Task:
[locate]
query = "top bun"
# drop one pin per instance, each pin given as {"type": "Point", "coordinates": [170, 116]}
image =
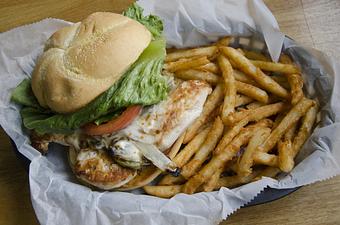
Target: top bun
{"type": "Point", "coordinates": [83, 60]}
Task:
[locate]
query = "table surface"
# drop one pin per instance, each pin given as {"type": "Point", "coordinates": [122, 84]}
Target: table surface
{"type": "Point", "coordinates": [310, 22]}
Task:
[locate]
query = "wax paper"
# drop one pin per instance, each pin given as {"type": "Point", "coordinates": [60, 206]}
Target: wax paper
{"type": "Point", "coordinates": [56, 195]}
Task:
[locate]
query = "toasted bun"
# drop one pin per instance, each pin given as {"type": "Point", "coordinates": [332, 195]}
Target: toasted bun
{"type": "Point", "coordinates": [83, 60]}
{"type": "Point", "coordinates": [95, 168]}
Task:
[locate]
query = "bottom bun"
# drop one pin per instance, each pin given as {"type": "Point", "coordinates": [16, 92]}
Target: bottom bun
{"type": "Point", "coordinates": [96, 168]}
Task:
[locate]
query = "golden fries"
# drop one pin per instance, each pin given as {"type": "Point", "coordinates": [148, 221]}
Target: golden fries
{"type": "Point", "coordinates": [191, 148]}
{"type": "Point", "coordinates": [265, 159]}
{"type": "Point", "coordinates": [249, 69]}
{"type": "Point", "coordinates": [229, 86]}
{"type": "Point", "coordinates": [185, 64]}
{"type": "Point", "coordinates": [219, 159]}
{"type": "Point", "coordinates": [234, 181]}
{"type": "Point", "coordinates": [268, 172]}
{"type": "Point", "coordinates": [210, 67]}
{"type": "Point", "coordinates": [253, 115]}
{"type": "Point", "coordinates": [211, 184]}
{"type": "Point", "coordinates": [247, 159]}
{"type": "Point", "coordinates": [171, 180]}
{"type": "Point", "coordinates": [208, 146]}
{"type": "Point", "coordinates": [191, 53]}
{"type": "Point", "coordinates": [223, 41]}
{"type": "Point", "coordinates": [242, 100]}
{"type": "Point", "coordinates": [255, 55]}
{"type": "Point", "coordinates": [163, 191]}
{"type": "Point", "coordinates": [275, 67]}
{"type": "Point", "coordinates": [234, 133]}
{"type": "Point", "coordinates": [239, 76]}
{"type": "Point", "coordinates": [286, 161]}
{"type": "Point", "coordinates": [212, 102]}
{"type": "Point", "coordinates": [192, 74]}
{"type": "Point", "coordinates": [252, 91]}
{"type": "Point", "coordinates": [292, 116]}
{"type": "Point", "coordinates": [296, 83]}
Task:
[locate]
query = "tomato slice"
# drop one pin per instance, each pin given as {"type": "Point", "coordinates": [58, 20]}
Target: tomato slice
{"type": "Point", "coordinates": [115, 124]}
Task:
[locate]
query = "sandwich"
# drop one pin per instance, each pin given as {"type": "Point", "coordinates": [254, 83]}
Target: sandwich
{"type": "Point", "coordinates": [98, 88]}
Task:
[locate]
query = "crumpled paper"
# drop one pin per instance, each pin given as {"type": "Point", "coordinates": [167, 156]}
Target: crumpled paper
{"type": "Point", "coordinates": [58, 198]}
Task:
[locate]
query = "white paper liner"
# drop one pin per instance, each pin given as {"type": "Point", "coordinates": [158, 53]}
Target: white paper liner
{"type": "Point", "coordinates": [59, 199]}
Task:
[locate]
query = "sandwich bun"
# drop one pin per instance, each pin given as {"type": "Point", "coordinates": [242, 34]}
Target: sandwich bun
{"type": "Point", "coordinates": [83, 60]}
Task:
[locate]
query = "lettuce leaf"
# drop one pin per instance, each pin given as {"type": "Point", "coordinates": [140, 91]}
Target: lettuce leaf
{"type": "Point", "coordinates": [153, 23]}
{"type": "Point", "coordinates": [142, 84]}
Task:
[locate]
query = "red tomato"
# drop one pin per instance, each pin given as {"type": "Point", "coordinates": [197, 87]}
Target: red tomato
{"type": "Point", "coordinates": [115, 124]}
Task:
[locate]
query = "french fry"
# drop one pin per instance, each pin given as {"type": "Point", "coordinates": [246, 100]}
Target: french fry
{"type": "Point", "coordinates": [211, 184]}
{"type": "Point", "coordinates": [285, 59]}
{"type": "Point", "coordinates": [292, 117]}
{"type": "Point", "coordinates": [239, 76]}
{"type": "Point", "coordinates": [210, 67]}
{"type": "Point", "coordinates": [242, 100]}
{"type": "Point", "coordinates": [185, 64]}
{"type": "Point", "coordinates": [240, 51]}
{"type": "Point", "coordinates": [212, 102]}
{"type": "Point", "coordinates": [279, 118]}
{"type": "Point", "coordinates": [286, 162]}
{"type": "Point", "coordinates": [190, 53]}
{"type": "Point", "coordinates": [287, 149]}
{"type": "Point", "coordinates": [193, 74]}
{"type": "Point", "coordinates": [268, 172]}
{"type": "Point", "coordinates": [246, 162]}
{"type": "Point", "coordinates": [275, 67]}
{"type": "Point", "coordinates": [225, 41]}
{"type": "Point", "coordinates": [255, 55]}
{"type": "Point", "coordinates": [252, 91]}
{"type": "Point", "coordinates": [249, 69]}
{"type": "Point", "coordinates": [253, 115]}
{"type": "Point", "coordinates": [289, 135]}
{"type": "Point", "coordinates": [234, 181]}
{"type": "Point", "coordinates": [218, 160]}
{"type": "Point", "coordinates": [306, 128]}
{"type": "Point", "coordinates": [263, 158]}
{"type": "Point", "coordinates": [190, 149]}
{"type": "Point", "coordinates": [282, 80]}
{"type": "Point", "coordinates": [163, 191]}
{"type": "Point", "coordinates": [171, 180]}
{"type": "Point", "coordinates": [254, 105]}
{"type": "Point", "coordinates": [206, 148]}
{"type": "Point", "coordinates": [296, 83]}
{"type": "Point", "coordinates": [229, 86]}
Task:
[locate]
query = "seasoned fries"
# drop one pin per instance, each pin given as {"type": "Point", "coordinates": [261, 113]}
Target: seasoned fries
{"type": "Point", "coordinates": [252, 91]}
{"type": "Point", "coordinates": [296, 83]}
{"type": "Point", "coordinates": [210, 67]}
{"type": "Point", "coordinates": [249, 69]}
{"type": "Point", "coordinates": [235, 141]}
{"type": "Point", "coordinates": [163, 191]}
{"type": "Point", "coordinates": [208, 146]}
{"type": "Point", "coordinates": [229, 86]}
{"type": "Point", "coordinates": [255, 55]}
{"type": "Point", "coordinates": [239, 76]}
{"type": "Point", "coordinates": [275, 67]}
{"type": "Point", "coordinates": [192, 74]}
{"type": "Point", "coordinates": [292, 116]}
{"type": "Point", "coordinates": [219, 159]}
{"type": "Point", "coordinates": [185, 64]}
{"type": "Point", "coordinates": [247, 160]}
{"type": "Point", "coordinates": [191, 53]}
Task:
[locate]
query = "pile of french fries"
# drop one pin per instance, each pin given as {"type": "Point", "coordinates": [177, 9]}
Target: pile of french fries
{"type": "Point", "coordinates": [253, 123]}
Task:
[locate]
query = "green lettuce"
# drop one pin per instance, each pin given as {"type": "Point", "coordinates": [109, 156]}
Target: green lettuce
{"type": "Point", "coordinates": [152, 22]}
{"type": "Point", "coordinates": [142, 84]}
